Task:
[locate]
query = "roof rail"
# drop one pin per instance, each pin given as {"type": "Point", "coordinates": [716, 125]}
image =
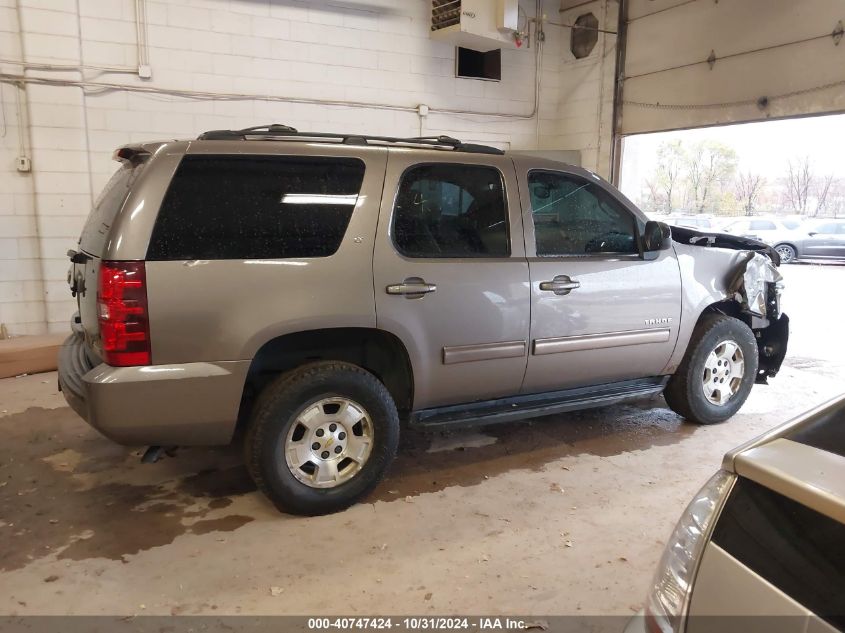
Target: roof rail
{"type": "Point", "coordinates": [277, 131]}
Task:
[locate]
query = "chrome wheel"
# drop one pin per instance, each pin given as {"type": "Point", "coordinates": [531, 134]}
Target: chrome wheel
{"type": "Point", "coordinates": [786, 253]}
{"type": "Point", "coordinates": [329, 442]}
{"type": "Point", "coordinates": [723, 372]}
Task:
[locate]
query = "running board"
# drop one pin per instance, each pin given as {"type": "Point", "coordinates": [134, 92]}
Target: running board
{"type": "Point", "coordinates": [538, 404]}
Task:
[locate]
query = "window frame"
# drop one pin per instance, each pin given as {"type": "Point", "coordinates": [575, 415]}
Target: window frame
{"type": "Point", "coordinates": [639, 255]}
{"type": "Point", "coordinates": [507, 216]}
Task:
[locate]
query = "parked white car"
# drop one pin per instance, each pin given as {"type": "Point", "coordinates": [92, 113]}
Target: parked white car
{"type": "Point", "coordinates": [699, 222]}
{"type": "Point", "coordinates": [770, 230]}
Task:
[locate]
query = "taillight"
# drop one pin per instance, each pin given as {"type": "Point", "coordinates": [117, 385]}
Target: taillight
{"type": "Point", "coordinates": [122, 313]}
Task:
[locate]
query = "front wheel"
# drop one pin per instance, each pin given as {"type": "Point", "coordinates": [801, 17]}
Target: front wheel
{"type": "Point", "coordinates": [717, 373]}
{"type": "Point", "coordinates": [321, 437]}
{"type": "Point", "coordinates": [786, 252]}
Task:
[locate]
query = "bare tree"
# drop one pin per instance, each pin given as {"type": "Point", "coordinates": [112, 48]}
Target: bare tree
{"type": "Point", "coordinates": [655, 198]}
{"type": "Point", "coordinates": [798, 178]}
{"type": "Point", "coordinates": [709, 166]}
{"type": "Point", "coordinates": [834, 203]}
{"type": "Point", "coordinates": [821, 191]}
{"type": "Point", "coordinates": [748, 188]}
{"type": "Point", "coordinates": [670, 162]}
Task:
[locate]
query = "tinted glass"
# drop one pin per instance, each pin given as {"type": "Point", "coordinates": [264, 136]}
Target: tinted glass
{"type": "Point", "coordinates": [797, 549]}
{"type": "Point", "coordinates": [573, 216]}
{"type": "Point", "coordinates": [791, 224]}
{"type": "Point", "coordinates": [246, 207]}
{"type": "Point", "coordinates": [448, 210]}
{"type": "Point", "coordinates": [762, 225]}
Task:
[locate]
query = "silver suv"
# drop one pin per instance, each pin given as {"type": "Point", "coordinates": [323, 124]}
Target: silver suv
{"type": "Point", "coordinates": [316, 290]}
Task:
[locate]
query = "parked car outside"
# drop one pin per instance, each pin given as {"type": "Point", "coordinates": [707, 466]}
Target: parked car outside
{"type": "Point", "coordinates": [701, 222]}
{"type": "Point", "coordinates": [765, 229]}
{"type": "Point", "coordinates": [315, 290]}
{"type": "Point", "coordinates": [814, 239]}
{"type": "Point", "coordinates": [760, 547]}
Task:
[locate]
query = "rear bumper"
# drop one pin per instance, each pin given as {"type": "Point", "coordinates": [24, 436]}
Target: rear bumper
{"type": "Point", "coordinates": [184, 404]}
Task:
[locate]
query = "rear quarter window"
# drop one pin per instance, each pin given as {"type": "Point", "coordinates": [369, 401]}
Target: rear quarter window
{"type": "Point", "coordinates": [250, 207]}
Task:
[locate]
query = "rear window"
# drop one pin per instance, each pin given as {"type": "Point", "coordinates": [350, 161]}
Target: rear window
{"type": "Point", "coordinates": [106, 208]}
{"type": "Point", "coordinates": [251, 207]}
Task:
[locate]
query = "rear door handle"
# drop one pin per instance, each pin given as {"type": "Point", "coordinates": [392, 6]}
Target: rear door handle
{"type": "Point", "coordinates": [413, 286]}
{"type": "Point", "coordinates": [560, 285]}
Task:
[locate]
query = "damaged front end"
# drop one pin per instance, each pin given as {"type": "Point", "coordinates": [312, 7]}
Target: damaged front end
{"type": "Point", "coordinates": [756, 286]}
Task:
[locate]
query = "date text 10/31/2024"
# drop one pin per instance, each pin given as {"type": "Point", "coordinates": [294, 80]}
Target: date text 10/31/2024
{"type": "Point", "coordinates": [420, 623]}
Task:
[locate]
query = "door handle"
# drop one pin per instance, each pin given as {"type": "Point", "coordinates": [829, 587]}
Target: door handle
{"type": "Point", "coordinates": [560, 285]}
{"type": "Point", "coordinates": [412, 286]}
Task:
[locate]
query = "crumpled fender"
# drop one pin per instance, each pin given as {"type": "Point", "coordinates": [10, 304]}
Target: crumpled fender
{"type": "Point", "coordinates": [686, 235]}
{"type": "Point", "coordinates": [756, 285]}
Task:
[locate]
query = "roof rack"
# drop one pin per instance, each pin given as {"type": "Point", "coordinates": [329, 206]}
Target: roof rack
{"type": "Point", "coordinates": [277, 131]}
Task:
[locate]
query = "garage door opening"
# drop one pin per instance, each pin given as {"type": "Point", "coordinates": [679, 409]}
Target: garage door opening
{"type": "Point", "coordinates": [790, 170]}
{"type": "Point", "coordinates": [780, 182]}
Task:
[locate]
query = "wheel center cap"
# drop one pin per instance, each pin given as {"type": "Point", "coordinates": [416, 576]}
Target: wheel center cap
{"type": "Point", "coordinates": [329, 441]}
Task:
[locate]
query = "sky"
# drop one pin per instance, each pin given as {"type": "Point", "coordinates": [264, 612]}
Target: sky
{"type": "Point", "coordinates": [762, 147]}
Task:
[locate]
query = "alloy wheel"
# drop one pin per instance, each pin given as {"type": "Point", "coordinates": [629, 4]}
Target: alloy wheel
{"type": "Point", "coordinates": [329, 442]}
{"type": "Point", "coordinates": [723, 372]}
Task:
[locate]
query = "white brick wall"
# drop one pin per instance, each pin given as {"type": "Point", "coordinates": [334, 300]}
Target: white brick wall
{"type": "Point", "coordinates": [378, 51]}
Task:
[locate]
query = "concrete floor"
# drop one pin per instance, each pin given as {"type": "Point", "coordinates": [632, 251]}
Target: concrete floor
{"type": "Point", "coordinates": [562, 515]}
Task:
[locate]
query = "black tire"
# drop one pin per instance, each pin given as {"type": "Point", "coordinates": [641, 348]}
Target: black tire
{"type": "Point", "coordinates": [787, 253]}
{"type": "Point", "coordinates": [685, 393]}
{"type": "Point", "coordinates": [276, 411]}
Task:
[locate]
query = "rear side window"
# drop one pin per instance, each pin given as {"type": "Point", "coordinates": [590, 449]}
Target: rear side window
{"type": "Point", "coordinates": [791, 224]}
{"type": "Point", "coordinates": [448, 210]}
{"type": "Point", "coordinates": [251, 207]}
{"type": "Point", "coordinates": [762, 225]}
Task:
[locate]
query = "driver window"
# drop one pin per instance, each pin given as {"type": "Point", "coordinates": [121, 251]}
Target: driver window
{"type": "Point", "coordinates": [573, 216]}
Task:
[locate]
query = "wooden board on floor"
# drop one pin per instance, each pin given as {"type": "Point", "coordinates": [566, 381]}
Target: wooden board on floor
{"type": "Point", "coordinates": [29, 354]}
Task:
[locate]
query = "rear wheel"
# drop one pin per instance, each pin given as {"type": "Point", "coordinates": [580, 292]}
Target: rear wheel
{"type": "Point", "coordinates": [717, 373]}
{"type": "Point", "coordinates": [787, 253]}
{"type": "Point", "coordinates": [321, 437]}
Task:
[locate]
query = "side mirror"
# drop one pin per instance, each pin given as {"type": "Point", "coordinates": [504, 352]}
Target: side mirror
{"type": "Point", "coordinates": [812, 233]}
{"type": "Point", "coordinates": [657, 236]}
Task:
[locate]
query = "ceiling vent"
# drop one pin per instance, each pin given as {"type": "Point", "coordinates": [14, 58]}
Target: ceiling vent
{"type": "Point", "coordinates": [482, 25]}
